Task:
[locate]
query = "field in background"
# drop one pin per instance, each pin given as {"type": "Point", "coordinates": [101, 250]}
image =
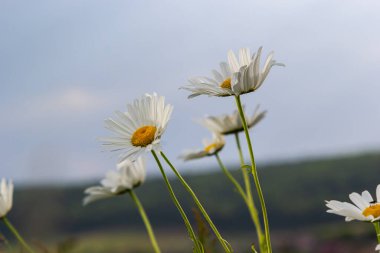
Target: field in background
{"type": "Point", "coordinates": [295, 194]}
{"type": "Point", "coordinates": [327, 238]}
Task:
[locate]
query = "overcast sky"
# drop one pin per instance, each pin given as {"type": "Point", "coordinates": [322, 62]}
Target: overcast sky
{"type": "Point", "coordinates": [65, 66]}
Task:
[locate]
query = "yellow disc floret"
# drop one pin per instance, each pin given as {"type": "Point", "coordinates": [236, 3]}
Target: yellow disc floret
{"type": "Point", "coordinates": [226, 84]}
{"type": "Point", "coordinates": [211, 147]}
{"type": "Point", "coordinates": [373, 210]}
{"type": "Point", "coordinates": [143, 136]}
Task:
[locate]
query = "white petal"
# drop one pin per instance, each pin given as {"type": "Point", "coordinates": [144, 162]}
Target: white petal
{"type": "Point", "coordinates": [244, 56]}
{"type": "Point", "coordinates": [358, 200]}
{"type": "Point", "coordinates": [367, 196]}
{"type": "Point", "coordinates": [233, 62]}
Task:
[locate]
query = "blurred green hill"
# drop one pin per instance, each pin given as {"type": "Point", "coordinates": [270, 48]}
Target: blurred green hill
{"type": "Point", "coordinates": [294, 191]}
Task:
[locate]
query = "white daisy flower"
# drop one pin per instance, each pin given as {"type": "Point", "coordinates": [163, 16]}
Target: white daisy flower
{"type": "Point", "coordinates": [219, 85]}
{"type": "Point", "coordinates": [247, 75]}
{"type": "Point", "coordinates": [211, 147]}
{"type": "Point", "coordinates": [365, 208]}
{"type": "Point", "coordinates": [230, 123]}
{"type": "Point", "coordinates": [378, 247]}
{"type": "Point", "coordinates": [236, 78]}
{"type": "Point", "coordinates": [129, 175]}
{"type": "Point", "coordinates": [6, 197]}
{"type": "Point", "coordinates": [140, 128]}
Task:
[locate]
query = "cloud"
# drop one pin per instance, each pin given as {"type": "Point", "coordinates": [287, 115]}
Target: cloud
{"type": "Point", "coordinates": [65, 105]}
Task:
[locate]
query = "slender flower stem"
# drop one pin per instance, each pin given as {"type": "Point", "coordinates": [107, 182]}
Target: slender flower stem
{"type": "Point", "coordinates": [249, 200]}
{"type": "Point", "coordinates": [146, 221]}
{"type": "Point", "coordinates": [377, 228]}
{"type": "Point", "coordinates": [222, 241]}
{"type": "Point", "coordinates": [247, 182]}
{"type": "Point", "coordinates": [17, 235]}
{"type": "Point", "coordinates": [254, 174]}
{"type": "Point", "coordinates": [231, 178]}
{"type": "Point", "coordinates": [189, 228]}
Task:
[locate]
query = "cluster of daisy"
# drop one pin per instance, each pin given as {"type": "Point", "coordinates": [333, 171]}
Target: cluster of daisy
{"type": "Point", "coordinates": [138, 130]}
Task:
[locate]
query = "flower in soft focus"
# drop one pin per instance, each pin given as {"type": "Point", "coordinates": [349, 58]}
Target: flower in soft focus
{"type": "Point", "coordinates": [230, 123]}
{"type": "Point", "coordinates": [378, 247]}
{"type": "Point", "coordinates": [247, 75]}
{"type": "Point", "coordinates": [211, 147]}
{"type": "Point", "coordinates": [6, 197]}
{"type": "Point", "coordinates": [365, 208]}
{"type": "Point", "coordinates": [129, 175]}
{"type": "Point", "coordinates": [140, 128]}
{"type": "Point", "coordinates": [219, 85]}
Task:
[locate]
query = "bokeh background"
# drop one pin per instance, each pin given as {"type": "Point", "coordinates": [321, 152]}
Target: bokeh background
{"type": "Point", "coordinates": [65, 66]}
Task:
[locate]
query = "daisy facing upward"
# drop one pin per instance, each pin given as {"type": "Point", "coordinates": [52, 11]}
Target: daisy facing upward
{"type": "Point", "coordinates": [140, 128]}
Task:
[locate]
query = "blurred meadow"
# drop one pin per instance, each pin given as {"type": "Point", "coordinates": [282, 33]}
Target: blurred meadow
{"type": "Point", "coordinates": [65, 66]}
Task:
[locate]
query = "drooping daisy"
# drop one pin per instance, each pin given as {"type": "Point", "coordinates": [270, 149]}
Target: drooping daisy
{"type": "Point", "coordinates": [129, 175]}
{"type": "Point", "coordinates": [365, 208]}
{"type": "Point", "coordinates": [140, 128]}
{"type": "Point", "coordinates": [247, 75]}
{"type": "Point", "coordinates": [6, 197]}
{"type": "Point", "coordinates": [211, 147]}
{"type": "Point", "coordinates": [219, 85]}
{"type": "Point", "coordinates": [230, 123]}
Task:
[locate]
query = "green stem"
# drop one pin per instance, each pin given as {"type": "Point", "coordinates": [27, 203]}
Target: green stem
{"type": "Point", "coordinates": [249, 201]}
{"type": "Point", "coordinates": [377, 228]}
{"type": "Point", "coordinates": [244, 171]}
{"type": "Point", "coordinates": [231, 178]}
{"type": "Point", "coordinates": [189, 228]}
{"type": "Point", "coordinates": [254, 174]}
{"type": "Point", "coordinates": [17, 235]}
{"type": "Point", "coordinates": [146, 221]}
{"type": "Point", "coordinates": [198, 203]}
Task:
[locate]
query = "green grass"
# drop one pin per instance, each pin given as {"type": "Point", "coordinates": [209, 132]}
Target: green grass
{"type": "Point", "coordinates": [295, 194]}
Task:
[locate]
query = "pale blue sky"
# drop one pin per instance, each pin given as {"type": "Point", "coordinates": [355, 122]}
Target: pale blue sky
{"type": "Point", "coordinates": [67, 65]}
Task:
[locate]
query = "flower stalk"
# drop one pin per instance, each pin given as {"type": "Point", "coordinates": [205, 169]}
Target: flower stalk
{"type": "Point", "coordinates": [146, 221]}
{"type": "Point", "coordinates": [231, 178]}
{"type": "Point", "coordinates": [17, 234]}
{"type": "Point", "coordinates": [249, 198]}
{"type": "Point", "coordinates": [377, 228]}
{"type": "Point", "coordinates": [197, 244]}
{"type": "Point", "coordinates": [255, 174]}
{"type": "Point", "coordinates": [227, 248]}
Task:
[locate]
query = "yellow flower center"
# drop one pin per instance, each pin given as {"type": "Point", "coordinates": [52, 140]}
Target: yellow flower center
{"type": "Point", "coordinates": [143, 136]}
{"type": "Point", "coordinates": [211, 147]}
{"type": "Point", "coordinates": [226, 84]}
{"type": "Point", "coordinates": [373, 210]}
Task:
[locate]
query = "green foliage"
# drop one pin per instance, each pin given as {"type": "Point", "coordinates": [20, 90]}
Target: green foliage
{"type": "Point", "coordinates": [294, 192]}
